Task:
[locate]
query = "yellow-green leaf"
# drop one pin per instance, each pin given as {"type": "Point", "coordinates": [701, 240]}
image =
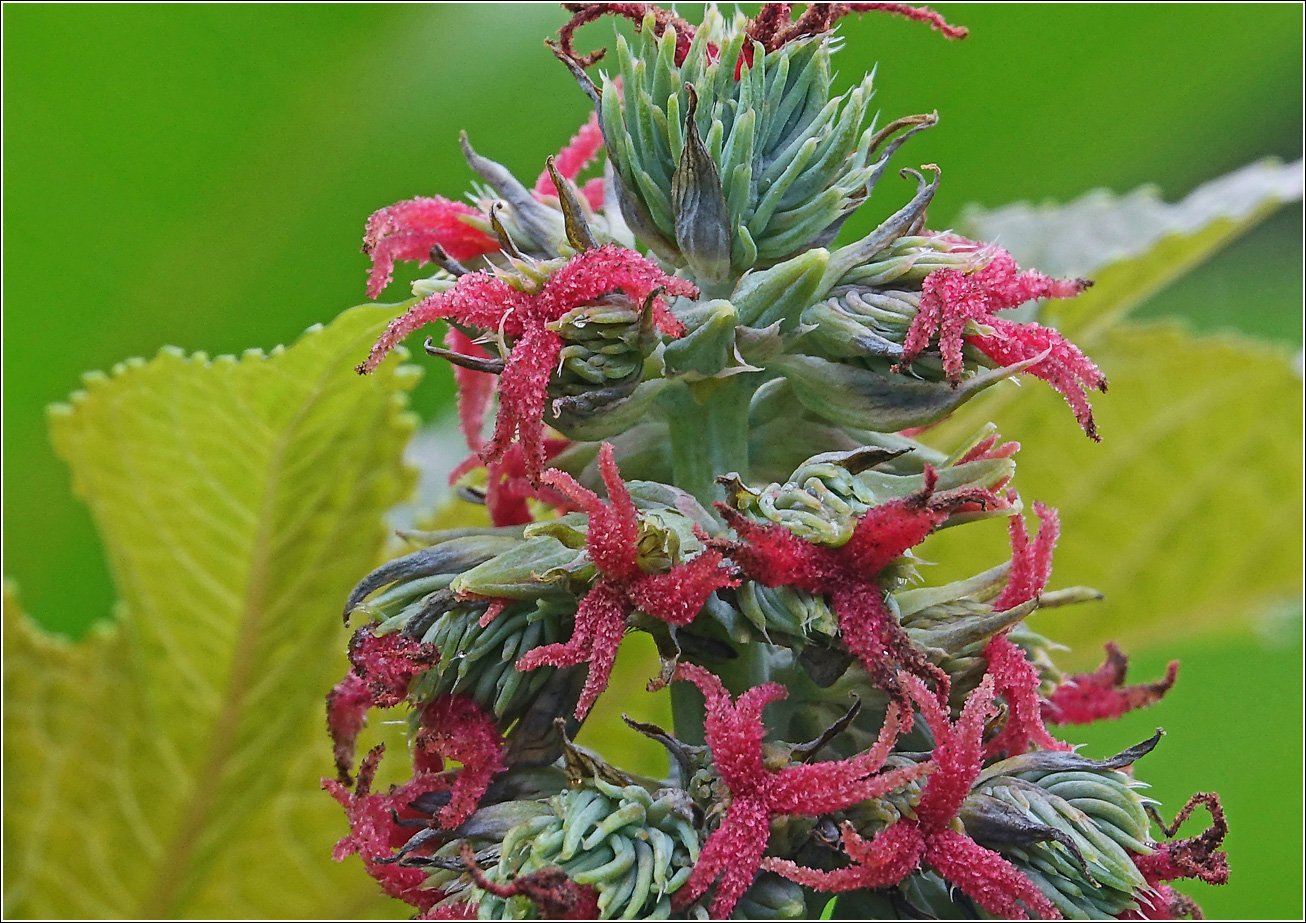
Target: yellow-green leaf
{"type": "Point", "coordinates": [1187, 515]}
{"type": "Point", "coordinates": [1132, 245]}
{"type": "Point", "coordinates": [168, 765]}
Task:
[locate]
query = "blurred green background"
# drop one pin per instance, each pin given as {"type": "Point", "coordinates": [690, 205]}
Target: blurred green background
{"type": "Point", "coordinates": [199, 176]}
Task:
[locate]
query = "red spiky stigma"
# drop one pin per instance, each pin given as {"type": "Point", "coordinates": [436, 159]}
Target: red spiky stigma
{"type": "Point", "coordinates": [675, 597]}
{"type": "Point", "coordinates": [950, 299]}
{"type": "Point", "coordinates": [931, 839]}
{"type": "Point", "coordinates": [377, 828]}
{"type": "Point", "coordinates": [453, 727]}
{"type": "Point", "coordinates": [382, 669]}
{"type": "Point", "coordinates": [409, 230]}
{"type": "Point", "coordinates": [508, 490]}
{"type": "Point", "coordinates": [1100, 695]}
{"type": "Point", "coordinates": [774, 25]}
{"type": "Point", "coordinates": [848, 574]}
{"type": "Point", "coordinates": [1014, 677]}
{"type": "Point", "coordinates": [734, 732]}
{"type": "Point", "coordinates": [494, 304]}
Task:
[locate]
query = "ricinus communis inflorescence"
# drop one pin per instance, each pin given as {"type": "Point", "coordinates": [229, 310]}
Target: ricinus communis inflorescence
{"type": "Point", "coordinates": [703, 419]}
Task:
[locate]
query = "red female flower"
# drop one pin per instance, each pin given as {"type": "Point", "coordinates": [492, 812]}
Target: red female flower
{"type": "Point", "coordinates": [734, 733]}
{"type": "Point", "coordinates": [493, 303]}
{"type": "Point", "coordinates": [1089, 697]}
{"type": "Point", "coordinates": [950, 298]}
{"type": "Point", "coordinates": [1015, 678]}
{"type": "Point", "coordinates": [375, 829]}
{"type": "Point", "coordinates": [774, 556]}
{"type": "Point", "coordinates": [611, 540]}
{"type": "Point", "coordinates": [409, 230]}
{"type": "Point", "coordinates": [454, 727]}
{"type": "Point", "coordinates": [507, 488]}
{"type": "Point", "coordinates": [383, 667]}
{"type": "Point", "coordinates": [894, 853]}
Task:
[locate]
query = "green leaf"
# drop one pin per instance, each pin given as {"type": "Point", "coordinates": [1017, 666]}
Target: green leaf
{"type": "Point", "coordinates": [1187, 516]}
{"type": "Point", "coordinates": [1131, 245]}
{"type": "Point", "coordinates": [168, 766]}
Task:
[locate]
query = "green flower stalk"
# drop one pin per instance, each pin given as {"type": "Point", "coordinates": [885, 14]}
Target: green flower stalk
{"type": "Point", "coordinates": [705, 420]}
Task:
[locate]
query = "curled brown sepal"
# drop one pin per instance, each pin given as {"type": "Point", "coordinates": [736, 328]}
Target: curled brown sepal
{"type": "Point", "coordinates": [773, 26]}
{"type": "Point", "coordinates": [1101, 695]}
{"type": "Point", "coordinates": [1197, 856]}
{"type": "Point", "coordinates": [584, 13]}
{"type": "Point", "coordinates": [555, 894]}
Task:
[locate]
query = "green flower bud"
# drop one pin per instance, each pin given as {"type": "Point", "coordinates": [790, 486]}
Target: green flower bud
{"type": "Point", "coordinates": [828, 493]}
{"type": "Point", "coordinates": [605, 344]}
{"type": "Point", "coordinates": [635, 848]}
{"type": "Point", "coordinates": [867, 398]}
{"type": "Point", "coordinates": [771, 898]}
{"type": "Point", "coordinates": [481, 662]}
{"type": "Point", "coordinates": [764, 167]}
{"type": "Point", "coordinates": [1070, 824]}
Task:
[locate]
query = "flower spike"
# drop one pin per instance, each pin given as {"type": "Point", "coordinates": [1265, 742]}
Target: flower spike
{"type": "Point", "coordinates": [611, 542]}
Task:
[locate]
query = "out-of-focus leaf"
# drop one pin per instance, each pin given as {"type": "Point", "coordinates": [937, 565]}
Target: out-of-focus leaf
{"type": "Point", "coordinates": [1187, 515]}
{"type": "Point", "coordinates": [1131, 245]}
{"type": "Point", "coordinates": [168, 766]}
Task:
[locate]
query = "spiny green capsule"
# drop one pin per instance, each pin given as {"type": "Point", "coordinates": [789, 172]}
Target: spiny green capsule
{"type": "Point", "coordinates": [635, 847]}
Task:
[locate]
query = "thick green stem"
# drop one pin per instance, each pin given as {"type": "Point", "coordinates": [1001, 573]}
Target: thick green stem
{"type": "Point", "coordinates": [709, 433]}
{"type": "Point", "coordinates": [709, 438]}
